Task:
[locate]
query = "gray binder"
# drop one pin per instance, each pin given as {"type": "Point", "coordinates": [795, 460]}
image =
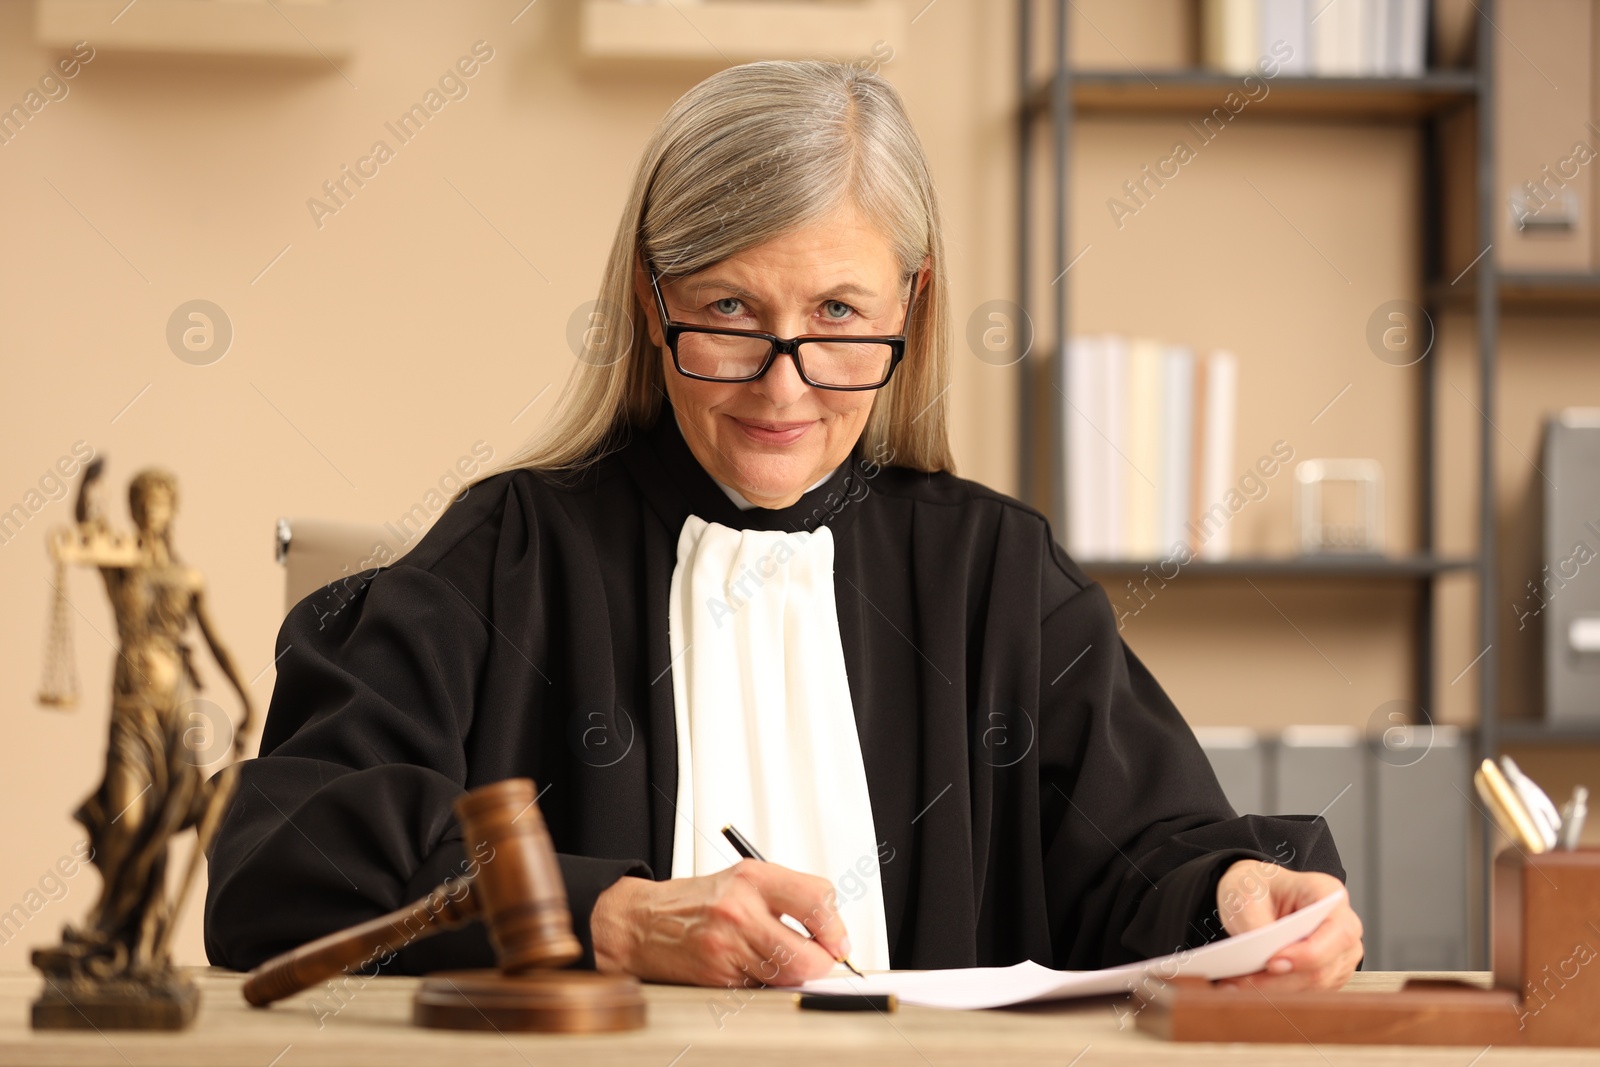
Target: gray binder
{"type": "Point", "coordinates": [1563, 599]}
{"type": "Point", "coordinates": [1238, 758]}
{"type": "Point", "coordinates": [1422, 819]}
{"type": "Point", "coordinates": [1321, 770]}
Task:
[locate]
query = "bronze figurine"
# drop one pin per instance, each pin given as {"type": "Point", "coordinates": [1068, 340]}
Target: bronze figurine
{"type": "Point", "coordinates": [115, 969]}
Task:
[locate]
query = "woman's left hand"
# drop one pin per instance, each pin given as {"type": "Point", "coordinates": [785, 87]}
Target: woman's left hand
{"type": "Point", "coordinates": [1252, 894]}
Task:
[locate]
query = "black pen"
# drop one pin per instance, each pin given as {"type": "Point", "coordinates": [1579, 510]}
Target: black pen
{"type": "Point", "coordinates": [750, 852]}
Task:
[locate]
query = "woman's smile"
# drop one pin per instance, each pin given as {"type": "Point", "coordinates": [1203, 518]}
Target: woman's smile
{"type": "Point", "coordinates": [770, 432]}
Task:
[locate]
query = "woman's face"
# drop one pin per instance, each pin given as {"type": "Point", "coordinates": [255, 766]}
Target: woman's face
{"type": "Point", "coordinates": [772, 438]}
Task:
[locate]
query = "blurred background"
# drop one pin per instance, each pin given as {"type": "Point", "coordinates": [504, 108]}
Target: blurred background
{"type": "Point", "coordinates": [1284, 311]}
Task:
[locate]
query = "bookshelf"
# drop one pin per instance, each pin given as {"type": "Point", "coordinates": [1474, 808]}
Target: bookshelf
{"type": "Point", "coordinates": [1053, 99]}
{"type": "Point", "coordinates": [1534, 731]}
{"type": "Point", "coordinates": [1158, 92]}
{"type": "Point", "coordinates": [1530, 292]}
{"type": "Point", "coordinates": [1403, 568]}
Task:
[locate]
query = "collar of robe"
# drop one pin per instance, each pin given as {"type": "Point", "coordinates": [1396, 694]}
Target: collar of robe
{"type": "Point", "coordinates": [676, 486]}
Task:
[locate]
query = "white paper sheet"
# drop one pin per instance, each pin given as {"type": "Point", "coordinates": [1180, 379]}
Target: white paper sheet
{"type": "Point", "coordinates": [995, 987]}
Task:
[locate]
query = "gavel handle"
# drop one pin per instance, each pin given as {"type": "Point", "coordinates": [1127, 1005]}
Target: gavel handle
{"type": "Point", "coordinates": [319, 960]}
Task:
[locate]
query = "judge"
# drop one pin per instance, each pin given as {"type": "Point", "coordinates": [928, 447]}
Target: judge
{"type": "Point", "coordinates": [736, 581]}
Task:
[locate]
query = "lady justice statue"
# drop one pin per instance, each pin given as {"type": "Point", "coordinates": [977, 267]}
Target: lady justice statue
{"type": "Point", "coordinates": [114, 970]}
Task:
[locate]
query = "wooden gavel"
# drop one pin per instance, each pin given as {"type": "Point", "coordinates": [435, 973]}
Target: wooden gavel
{"type": "Point", "coordinates": [516, 889]}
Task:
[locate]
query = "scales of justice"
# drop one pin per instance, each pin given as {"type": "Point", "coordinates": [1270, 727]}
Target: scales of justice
{"type": "Point", "coordinates": [114, 969]}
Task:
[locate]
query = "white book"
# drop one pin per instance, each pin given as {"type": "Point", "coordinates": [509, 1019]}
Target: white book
{"type": "Point", "coordinates": [1100, 456]}
{"type": "Point", "coordinates": [1177, 430]}
{"type": "Point", "coordinates": [1082, 504]}
{"type": "Point", "coordinates": [1229, 33]}
{"type": "Point", "coordinates": [1411, 38]}
{"type": "Point", "coordinates": [1114, 445]}
{"type": "Point", "coordinates": [1289, 22]}
{"type": "Point", "coordinates": [1222, 385]}
{"type": "Point", "coordinates": [1336, 38]}
{"type": "Point", "coordinates": [1394, 15]}
{"type": "Point", "coordinates": [1377, 40]}
{"type": "Point", "coordinates": [1143, 471]}
{"type": "Point", "coordinates": [1324, 41]}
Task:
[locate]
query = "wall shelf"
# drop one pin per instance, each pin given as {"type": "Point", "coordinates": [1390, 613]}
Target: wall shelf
{"type": "Point", "coordinates": [1400, 568]}
{"type": "Point", "coordinates": [307, 30]}
{"type": "Point", "coordinates": [733, 31]}
{"type": "Point", "coordinates": [1539, 732]}
{"type": "Point", "coordinates": [1528, 292]}
{"type": "Point", "coordinates": [1198, 91]}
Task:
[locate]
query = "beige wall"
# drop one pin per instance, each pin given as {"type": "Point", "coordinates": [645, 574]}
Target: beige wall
{"type": "Point", "coordinates": [380, 348]}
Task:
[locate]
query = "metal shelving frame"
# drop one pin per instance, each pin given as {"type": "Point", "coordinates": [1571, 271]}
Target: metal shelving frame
{"type": "Point", "coordinates": [1052, 103]}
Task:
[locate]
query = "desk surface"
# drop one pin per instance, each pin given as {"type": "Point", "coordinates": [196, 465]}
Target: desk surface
{"type": "Point", "coordinates": [687, 1027]}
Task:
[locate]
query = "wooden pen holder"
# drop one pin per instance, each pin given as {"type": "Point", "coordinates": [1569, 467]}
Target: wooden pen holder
{"type": "Point", "coordinates": [1546, 946]}
{"type": "Point", "coordinates": [1546, 962]}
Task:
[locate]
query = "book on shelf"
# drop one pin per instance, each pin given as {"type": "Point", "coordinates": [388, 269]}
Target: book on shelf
{"type": "Point", "coordinates": [1331, 38]}
{"type": "Point", "coordinates": [1149, 436]}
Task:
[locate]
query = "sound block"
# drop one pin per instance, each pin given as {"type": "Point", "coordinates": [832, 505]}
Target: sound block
{"type": "Point", "coordinates": [546, 1002]}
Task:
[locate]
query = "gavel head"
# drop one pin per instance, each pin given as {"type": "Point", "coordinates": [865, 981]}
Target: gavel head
{"type": "Point", "coordinates": [517, 882]}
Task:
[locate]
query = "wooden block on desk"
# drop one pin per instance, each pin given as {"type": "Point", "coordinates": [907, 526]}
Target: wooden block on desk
{"type": "Point", "coordinates": [1421, 1013]}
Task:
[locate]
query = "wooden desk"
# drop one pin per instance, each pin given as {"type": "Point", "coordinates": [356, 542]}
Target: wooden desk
{"type": "Point", "coordinates": [373, 1027]}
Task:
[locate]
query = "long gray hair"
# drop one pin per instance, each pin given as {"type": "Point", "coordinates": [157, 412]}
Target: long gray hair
{"type": "Point", "coordinates": [746, 155]}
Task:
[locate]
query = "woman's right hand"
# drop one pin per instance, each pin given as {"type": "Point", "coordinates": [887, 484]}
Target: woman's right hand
{"type": "Point", "coordinates": [719, 929]}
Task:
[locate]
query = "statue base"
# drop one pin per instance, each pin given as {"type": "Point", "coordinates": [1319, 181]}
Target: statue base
{"type": "Point", "coordinates": [73, 1000]}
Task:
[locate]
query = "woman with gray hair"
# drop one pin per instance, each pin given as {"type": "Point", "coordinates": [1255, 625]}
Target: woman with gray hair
{"type": "Point", "coordinates": [736, 581]}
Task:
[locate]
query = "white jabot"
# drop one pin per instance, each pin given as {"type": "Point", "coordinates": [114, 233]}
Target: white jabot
{"type": "Point", "coordinates": [766, 730]}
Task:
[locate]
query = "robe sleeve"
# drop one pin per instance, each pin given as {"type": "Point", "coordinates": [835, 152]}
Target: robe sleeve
{"type": "Point", "coordinates": [1136, 829]}
{"type": "Point", "coordinates": [347, 813]}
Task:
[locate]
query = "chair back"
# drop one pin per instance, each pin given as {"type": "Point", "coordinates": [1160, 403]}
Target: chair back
{"type": "Point", "coordinates": [315, 552]}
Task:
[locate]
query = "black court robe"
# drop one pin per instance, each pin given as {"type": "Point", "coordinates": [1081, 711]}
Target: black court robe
{"type": "Point", "coordinates": [1035, 793]}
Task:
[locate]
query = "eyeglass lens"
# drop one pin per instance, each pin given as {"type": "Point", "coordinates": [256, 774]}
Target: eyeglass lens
{"type": "Point", "coordinates": [713, 355]}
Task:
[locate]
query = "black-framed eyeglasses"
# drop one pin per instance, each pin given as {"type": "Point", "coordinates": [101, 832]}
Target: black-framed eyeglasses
{"type": "Point", "coordinates": [824, 361]}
